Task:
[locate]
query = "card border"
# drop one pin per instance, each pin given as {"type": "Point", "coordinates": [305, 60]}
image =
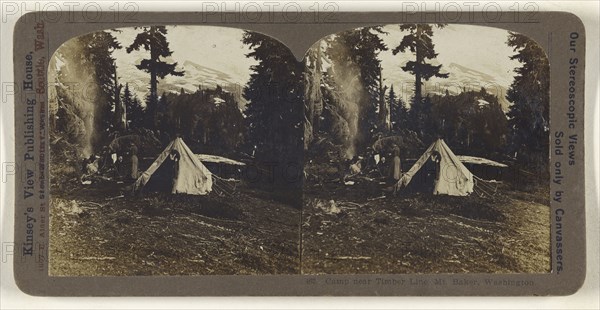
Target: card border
{"type": "Point", "coordinates": [551, 31]}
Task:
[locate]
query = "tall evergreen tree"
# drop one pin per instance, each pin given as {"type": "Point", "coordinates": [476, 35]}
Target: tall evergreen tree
{"type": "Point", "coordinates": [126, 102]}
{"type": "Point", "coordinates": [423, 120]}
{"type": "Point", "coordinates": [154, 40]}
{"type": "Point", "coordinates": [398, 110]}
{"type": "Point", "coordinates": [98, 49]}
{"type": "Point", "coordinates": [418, 41]}
{"type": "Point", "coordinates": [384, 107]}
{"type": "Point", "coordinates": [127, 97]}
{"type": "Point", "coordinates": [313, 97]}
{"type": "Point", "coordinates": [274, 112]}
{"type": "Point", "coordinates": [530, 95]}
{"type": "Point", "coordinates": [120, 114]}
{"type": "Point", "coordinates": [161, 111]}
{"type": "Point", "coordinates": [133, 108]}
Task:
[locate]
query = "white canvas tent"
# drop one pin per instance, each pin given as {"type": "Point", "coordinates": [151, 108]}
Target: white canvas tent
{"type": "Point", "coordinates": [192, 176]}
{"type": "Point", "coordinates": [454, 178]}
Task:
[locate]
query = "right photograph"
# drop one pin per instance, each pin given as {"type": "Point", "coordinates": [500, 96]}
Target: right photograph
{"type": "Point", "coordinates": [426, 150]}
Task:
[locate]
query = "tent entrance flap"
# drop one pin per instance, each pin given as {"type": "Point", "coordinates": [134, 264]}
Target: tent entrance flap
{"type": "Point", "coordinates": [162, 179]}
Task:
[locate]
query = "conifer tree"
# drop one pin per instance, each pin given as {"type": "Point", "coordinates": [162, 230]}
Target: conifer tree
{"type": "Point", "coordinates": [384, 107]}
{"type": "Point", "coordinates": [153, 39]}
{"type": "Point", "coordinates": [419, 42]}
{"type": "Point", "coordinates": [529, 93]}
{"type": "Point", "coordinates": [398, 110]}
{"type": "Point", "coordinates": [127, 97]}
{"type": "Point", "coordinates": [161, 111]}
{"type": "Point", "coordinates": [313, 97]}
{"type": "Point", "coordinates": [129, 104]}
{"type": "Point", "coordinates": [274, 113]}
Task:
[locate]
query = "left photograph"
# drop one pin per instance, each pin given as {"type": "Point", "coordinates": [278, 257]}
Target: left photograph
{"type": "Point", "coordinates": [175, 150]}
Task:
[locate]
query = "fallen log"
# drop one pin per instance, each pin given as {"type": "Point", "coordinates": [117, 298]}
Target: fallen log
{"type": "Point", "coordinates": [376, 198]}
{"type": "Point", "coordinates": [352, 203]}
{"type": "Point", "coordinates": [351, 257]}
{"type": "Point", "coordinates": [94, 258]}
{"type": "Point", "coordinates": [116, 197]}
{"type": "Point", "coordinates": [92, 203]}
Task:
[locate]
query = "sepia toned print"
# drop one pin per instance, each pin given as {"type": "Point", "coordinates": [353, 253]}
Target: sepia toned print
{"type": "Point", "coordinates": [426, 152]}
{"type": "Point", "coordinates": [410, 148]}
{"type": "Point", "coordinates": [173, 155]}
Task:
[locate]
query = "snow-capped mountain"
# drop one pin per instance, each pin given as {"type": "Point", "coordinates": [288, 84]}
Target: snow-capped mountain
{"type": "Point", "coordinates": [460, 78]}
{"type": "Point", "coordinates": [474, 56]}
{"type": "Point", "coordinates": [195, 76]}
{"type": "Point", "coordinates": [464, 77]}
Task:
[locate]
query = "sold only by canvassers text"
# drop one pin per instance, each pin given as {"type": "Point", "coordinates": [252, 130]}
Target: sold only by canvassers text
{"type": "Point", "coordinates": [565, 151]}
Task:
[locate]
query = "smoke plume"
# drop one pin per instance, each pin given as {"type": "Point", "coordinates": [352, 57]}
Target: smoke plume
{"type": "Point", "coordinates": [349, 93]}
{"type": "Point", "coordinates": [76, 98]}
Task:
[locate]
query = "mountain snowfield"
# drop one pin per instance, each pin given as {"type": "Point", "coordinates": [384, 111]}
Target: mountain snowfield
{"type": "Point", "coordinates": [460, 78]}
{"type": "Point", "coordinates": [196, 76]}
{"type": "Point", "coordinates": [474, 56]}
{"type": "Point", "coordinates": [209, 56]}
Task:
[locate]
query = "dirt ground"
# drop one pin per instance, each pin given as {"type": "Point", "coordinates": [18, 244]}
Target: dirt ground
{"type": "Point", "coordinates": [342, 229]}
{"type": "Point", "coordinates": [94, 233]}
{"type": "Point", "coordinates": [356, 230]}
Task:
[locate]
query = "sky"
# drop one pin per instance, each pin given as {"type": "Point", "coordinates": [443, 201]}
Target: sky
{"type": "Point", "coordinates": [471, 54]}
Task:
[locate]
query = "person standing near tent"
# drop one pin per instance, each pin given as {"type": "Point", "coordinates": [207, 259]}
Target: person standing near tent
{"type": "Point", "coordinates": [371, 161]}
{"type": "Point", "coordinates": [396, 164]}
{"type": "Point", "coordinates": [119, 167]}
{"type": "Point", "coordinates": [173, 166]}
{"type": "Point", "coordinates": [436, 158]}
{"type": "Point", "coordinates": [134, 161]}
{"type": "Point", "coordinates": [382, 167]}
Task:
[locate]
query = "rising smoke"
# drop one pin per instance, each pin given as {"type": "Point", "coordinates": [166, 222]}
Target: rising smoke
{"type": "Point", "coordinates": [76, 97]}
{"type": "Point", "coordinates": [349, 93]}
